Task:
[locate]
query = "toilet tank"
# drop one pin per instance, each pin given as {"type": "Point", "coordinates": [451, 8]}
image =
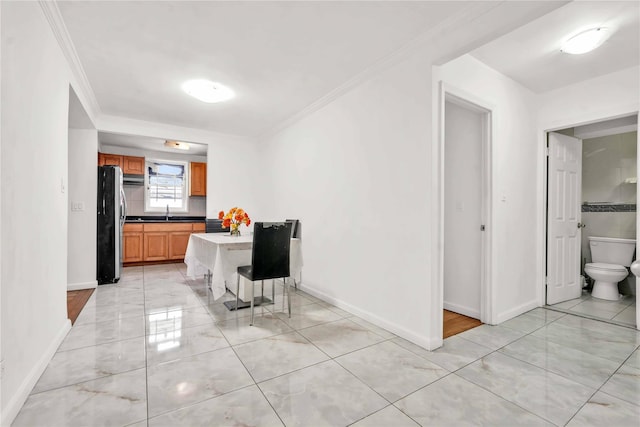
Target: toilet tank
{"type": "Point", "coordinates": [612, 250]}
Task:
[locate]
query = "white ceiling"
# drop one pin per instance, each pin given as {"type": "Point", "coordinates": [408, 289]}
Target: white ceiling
{"type": "Point", "coordinates": [531, 54]}
{"type": "Point", "coordinates": [283, 56]}
{"type": "Point", "coordinates": [279, 57]}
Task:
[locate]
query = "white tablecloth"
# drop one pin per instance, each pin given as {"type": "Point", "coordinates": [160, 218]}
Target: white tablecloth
{"type": "Point", "coordinates": [223, 254]}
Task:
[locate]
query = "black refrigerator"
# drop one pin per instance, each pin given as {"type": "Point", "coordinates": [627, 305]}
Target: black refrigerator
{"type": "Point", "coordinates": [112, 211]}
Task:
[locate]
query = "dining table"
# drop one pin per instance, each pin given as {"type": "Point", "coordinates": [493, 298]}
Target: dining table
{"type": "Point", "coordinates": [217, 256]}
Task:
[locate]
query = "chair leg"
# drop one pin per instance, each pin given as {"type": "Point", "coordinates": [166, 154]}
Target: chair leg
{"type": "Point", "coordinates": [207, 287]}
{"type": "Point", "coordinates": [251, 323]}
{"type": "Point", "coordinates": [237, 293]}
{"type": "Point", "coordinates": [283, 291]}
{"type": "Point", "coordinates": [289, 297]}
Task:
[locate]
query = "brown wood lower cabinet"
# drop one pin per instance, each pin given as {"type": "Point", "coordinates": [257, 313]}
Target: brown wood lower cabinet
{"type": "Point", "coordinates": [132, 243]}
{"type": "Point", "coordinates": [156, 246]}
{"type": "Point", "coordinates": [178, 241]}
{"type": "Point", "coordinates": [154, 242]}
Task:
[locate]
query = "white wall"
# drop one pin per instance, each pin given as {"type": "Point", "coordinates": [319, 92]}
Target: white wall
{"type": "Point", "coordinates": [462, 210]}
{"type": "Point", "coordinates": [1, 139]}
{"type": "Point", "coordinates": [606, 162]}
{"type": "Point", "coordinates": [355, 173]}
{"type": "Point", "coordinates": [609, 96]}
{"type": "Point", "coordinates": [83, 183]}
{"type": "Point", "coordinates": [513, 181]}
{"type": "Point", "coordinates": [34, 214]}
{"type": "Point", "coordinates": [235, 174]}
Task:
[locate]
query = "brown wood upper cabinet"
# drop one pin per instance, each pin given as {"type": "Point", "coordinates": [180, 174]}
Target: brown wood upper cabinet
{"type": "Point", "coordinates": [198, 184]}
{"type": "Point", "coordinates": [129, 164]}
{"type": "Point", "coordinates": [133, 165]}
{"type": "Point", "coordinates": [109, 159]}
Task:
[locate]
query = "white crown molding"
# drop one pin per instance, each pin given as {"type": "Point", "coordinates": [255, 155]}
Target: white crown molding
{"type": "Point", "coordinates": [384, 63]}
{"type": "Point", "coordinates": [53, 15]}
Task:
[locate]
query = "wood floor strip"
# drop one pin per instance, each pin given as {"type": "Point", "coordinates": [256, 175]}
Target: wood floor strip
{"type": "Point", "coordinates": [454, 323]}
{"type": "Point", "coordinates": [76, 301]}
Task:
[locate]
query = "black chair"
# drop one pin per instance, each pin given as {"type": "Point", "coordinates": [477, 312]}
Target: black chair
{"type": "Point", "coordinates": [269, 258]}
{"type": "Point", "coordinates": [297, 228]}
{"type": "Point", "coordinates": [296, 233]}
{"type": "Point", "coordinates": [215, 226]}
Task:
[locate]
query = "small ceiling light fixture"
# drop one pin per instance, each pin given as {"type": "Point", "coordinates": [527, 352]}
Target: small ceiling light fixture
{"type": "Point", "coordinates": [585, 41]}
{"type": "Point", "coordinates": [177, 145]}
{"type": "Point", "coordinates": [208, 91]}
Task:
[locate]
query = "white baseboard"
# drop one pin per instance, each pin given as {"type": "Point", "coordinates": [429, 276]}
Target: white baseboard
{"type": "Point", "coordinates": [22, 393]}
{"type": "Point", "coordinates": [420, 340]}
{"type": "Point", "coordinates": [461, 309]}
{"type": "Point", "coordinates": [83, 285]}
{"type": "Point", "coordinates": [516, 311]}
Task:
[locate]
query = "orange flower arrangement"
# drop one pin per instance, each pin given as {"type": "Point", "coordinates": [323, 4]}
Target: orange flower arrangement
{"type": "Point", "coordinates": [233, 219]}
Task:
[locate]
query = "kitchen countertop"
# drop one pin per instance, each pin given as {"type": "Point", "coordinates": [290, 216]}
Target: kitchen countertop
{"type": "Point", "coordinates": [162, 218]}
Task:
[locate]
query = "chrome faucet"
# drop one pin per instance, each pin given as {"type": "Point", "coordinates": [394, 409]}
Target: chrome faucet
{"type": "Point", "coordinates": [167, 215]}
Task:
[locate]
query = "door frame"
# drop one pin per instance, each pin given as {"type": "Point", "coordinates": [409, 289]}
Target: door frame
{"type": "Point", "coordinates": [462, 98]}
{"type": "Point", "coordinates": [543, 190]}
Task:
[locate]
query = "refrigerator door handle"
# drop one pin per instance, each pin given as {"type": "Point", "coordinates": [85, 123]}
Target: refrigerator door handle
{"type": "Point", "coordinates": [123, 214]}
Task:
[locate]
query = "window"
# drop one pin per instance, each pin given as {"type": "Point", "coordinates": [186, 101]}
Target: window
{"type": "Point", "coordinates": [165, 185]}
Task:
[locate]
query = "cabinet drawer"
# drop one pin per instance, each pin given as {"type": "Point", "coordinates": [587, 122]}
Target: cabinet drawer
{"type": "Point", "coordinates": [183, 226]}
{"type": "Point", "coordinates": [199, 227]}
{"type": "Point", "coordinates": [128, 227]}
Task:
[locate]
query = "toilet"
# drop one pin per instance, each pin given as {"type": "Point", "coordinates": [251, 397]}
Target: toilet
{"type": "Point", "coordinates": [610, 258]}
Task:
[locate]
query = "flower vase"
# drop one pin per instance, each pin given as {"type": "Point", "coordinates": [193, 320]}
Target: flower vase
{"type": "Point", "coordinates": [235, 232]}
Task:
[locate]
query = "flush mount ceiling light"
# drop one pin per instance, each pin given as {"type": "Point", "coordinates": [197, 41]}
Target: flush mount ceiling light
{"type": "Point", "coordinates": [177, 145]}
{"type": "Point", "coordinates": [207, 91]}
{"type": "Point", "coordinates": [585, 41]}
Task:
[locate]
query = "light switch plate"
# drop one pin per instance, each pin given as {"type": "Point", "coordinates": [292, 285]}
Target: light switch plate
{"type": "Point", "coordinates": [77, 206]}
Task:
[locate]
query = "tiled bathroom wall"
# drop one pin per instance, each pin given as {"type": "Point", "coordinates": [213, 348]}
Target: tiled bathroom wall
{"type": "Point", "coordinates": [135, 203]}
{"type": "Point", "coordinates": [607, 163]}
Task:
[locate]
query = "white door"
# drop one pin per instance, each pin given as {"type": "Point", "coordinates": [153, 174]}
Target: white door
{"type": "Point", "coordinates": [564, 214]}
{"type": "Point", "coordinates": [463, 208]}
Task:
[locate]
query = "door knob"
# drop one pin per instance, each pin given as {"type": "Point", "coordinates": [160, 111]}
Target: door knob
{"type": "Point", "coordinates": [635, 268]}
{"type": "Point", "coordinates": [581, 225]}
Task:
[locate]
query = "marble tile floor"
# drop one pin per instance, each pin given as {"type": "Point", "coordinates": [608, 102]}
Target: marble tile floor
{"type": "Point", "coordinates": [156, 350]}
{"type": "Point", "coordinates": [622, 312]}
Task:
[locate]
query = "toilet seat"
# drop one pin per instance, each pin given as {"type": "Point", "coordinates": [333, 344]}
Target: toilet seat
{"type": "Point", "coordinates": [601, 266]}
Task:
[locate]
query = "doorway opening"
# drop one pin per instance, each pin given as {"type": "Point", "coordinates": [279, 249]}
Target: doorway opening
{"type": "Point", "coordinates": [465, 146]}
{"type": "Point", "coordinates": [591, 200]}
